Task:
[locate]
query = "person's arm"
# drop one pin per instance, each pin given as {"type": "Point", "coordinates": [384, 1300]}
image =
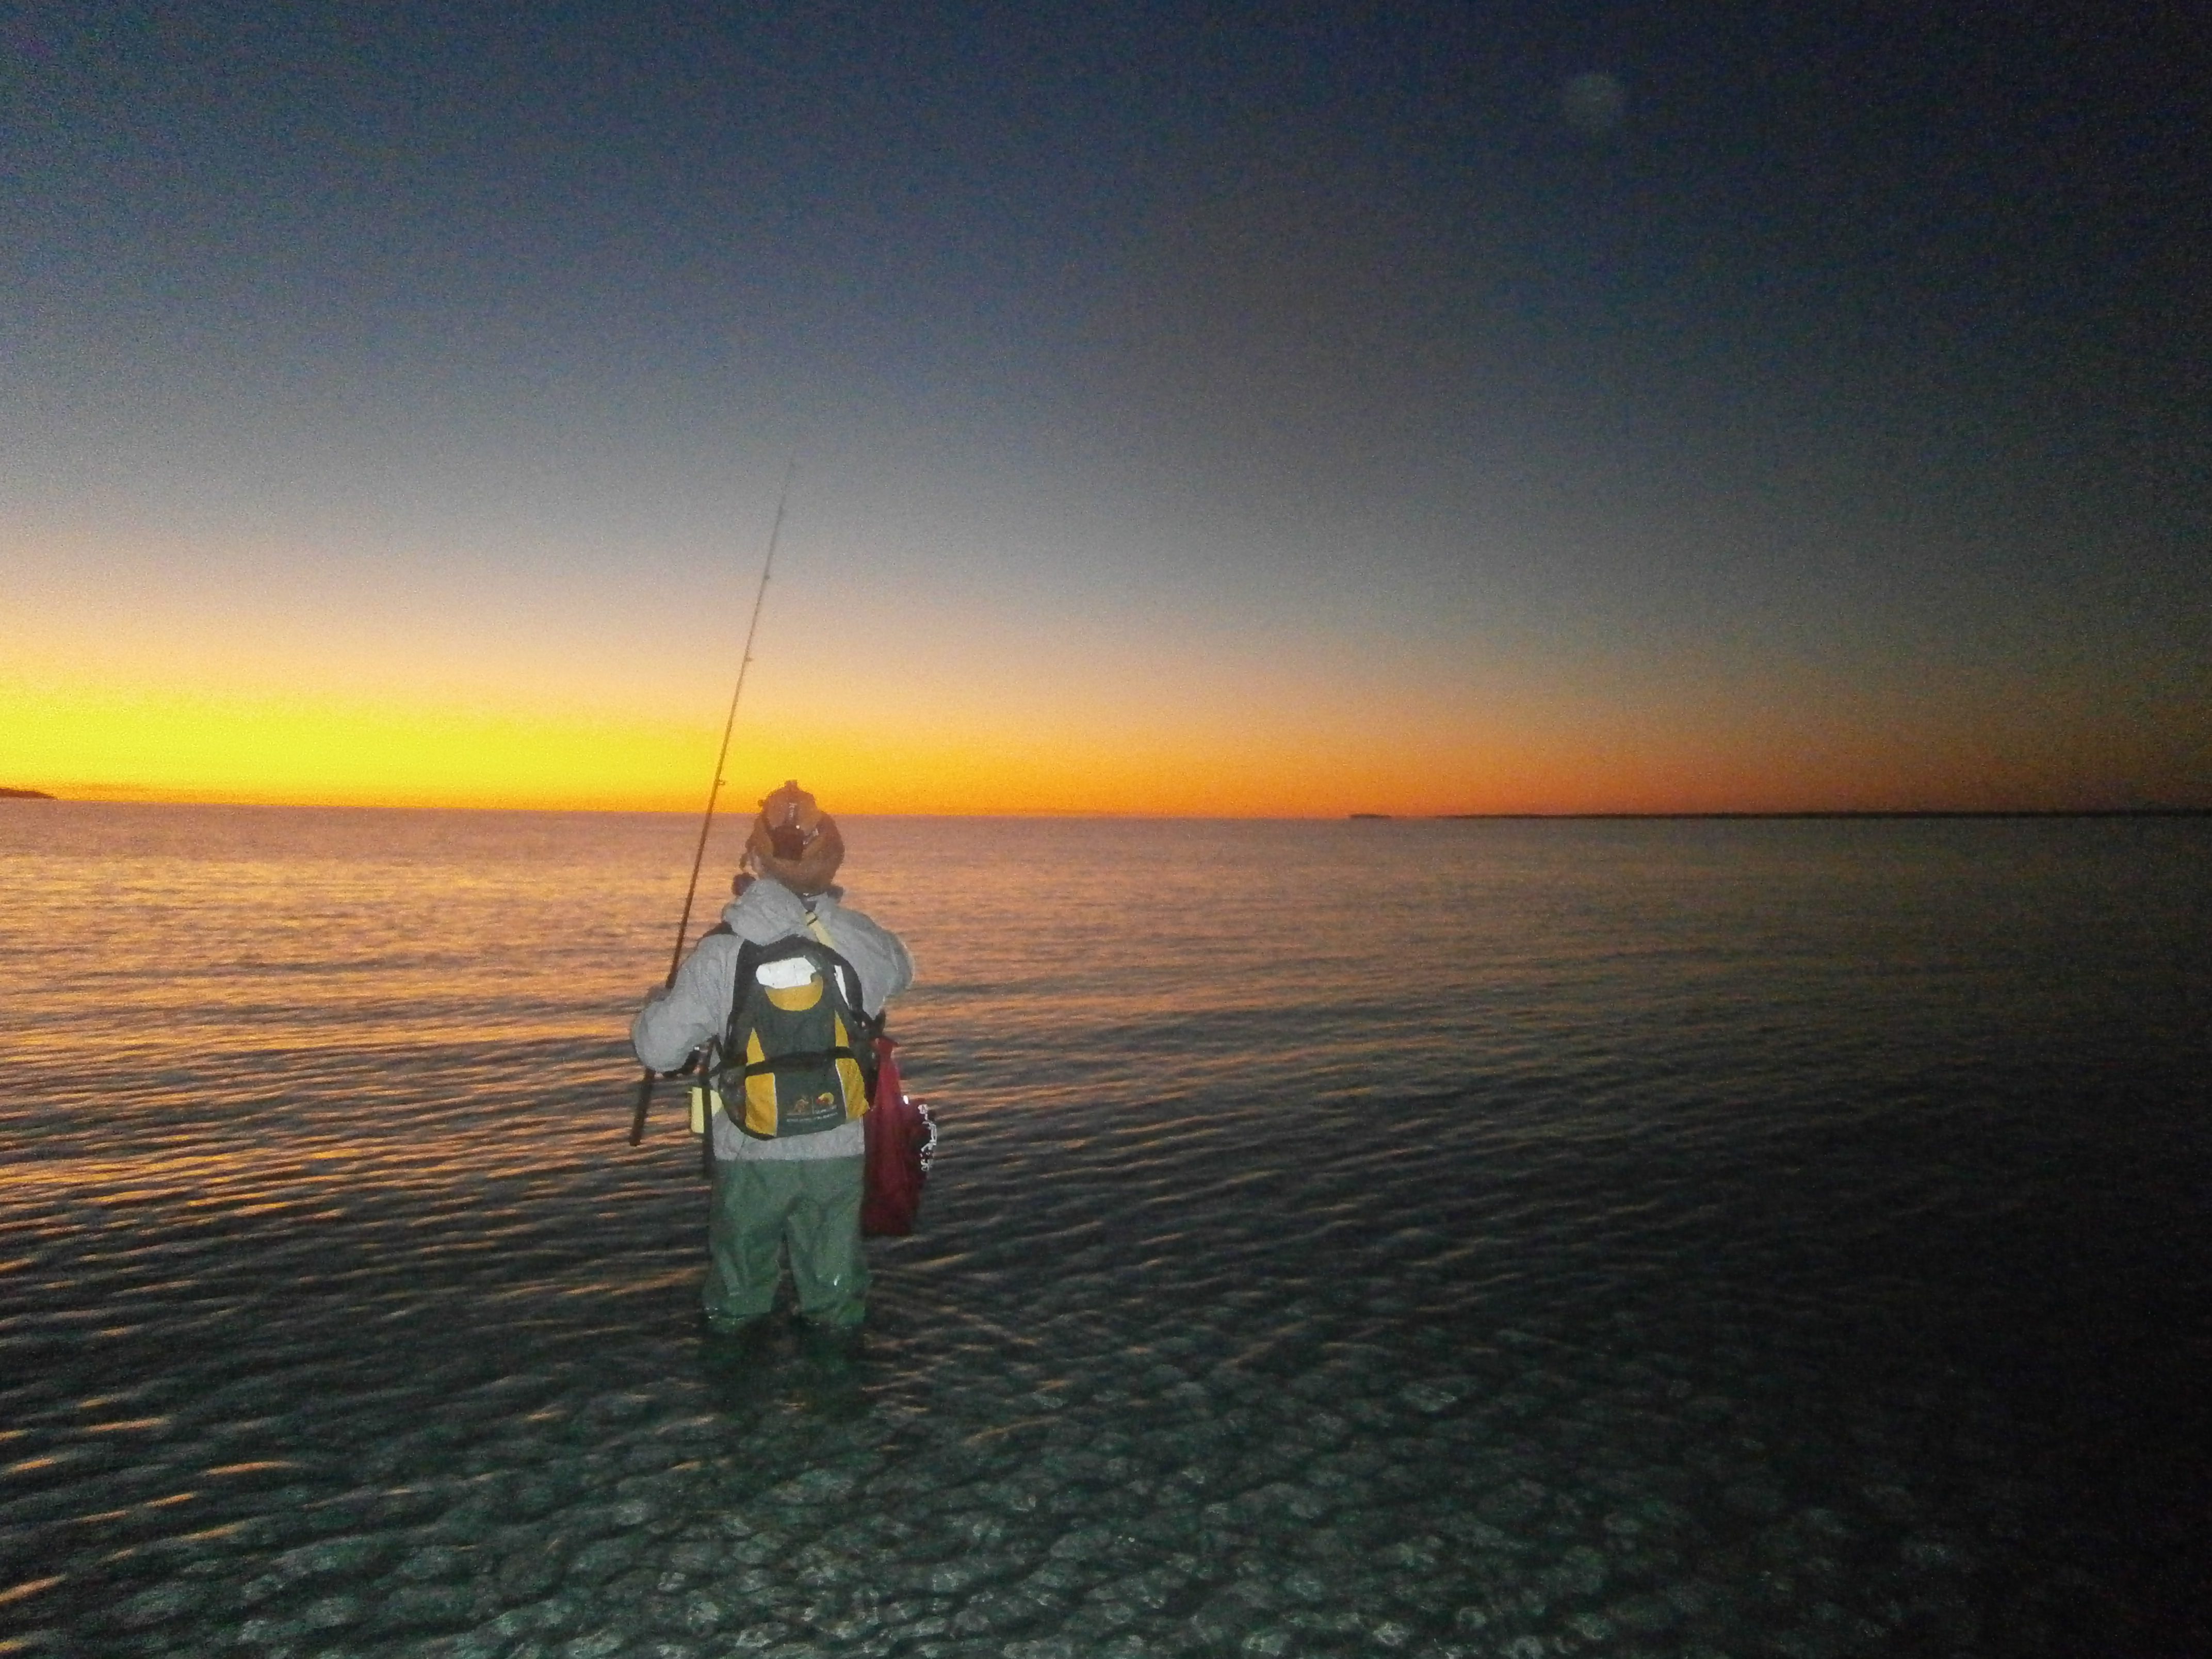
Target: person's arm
{"type": "Point", "coordinates": [675, 1021]}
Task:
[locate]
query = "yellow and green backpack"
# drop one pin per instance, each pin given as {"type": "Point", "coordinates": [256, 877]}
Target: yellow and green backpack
{"type": "Point", "coordinates": [796, 1055]}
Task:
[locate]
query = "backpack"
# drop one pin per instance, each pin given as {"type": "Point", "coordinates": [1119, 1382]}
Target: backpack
{"type": "Point", "coordinates": [797, 1056]}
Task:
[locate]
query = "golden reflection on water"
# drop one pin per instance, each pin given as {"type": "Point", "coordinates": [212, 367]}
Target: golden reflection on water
{"type": "Point", "coordinates": [29, 1587]}
{"type": "Point", "coordinates": [243, 1180]}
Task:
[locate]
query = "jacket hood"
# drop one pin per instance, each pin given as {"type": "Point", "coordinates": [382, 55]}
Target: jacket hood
{"type": "Point", "coordinates": [768, 910]}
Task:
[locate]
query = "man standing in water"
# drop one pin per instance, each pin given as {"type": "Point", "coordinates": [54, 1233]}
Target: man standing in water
{"type": "Point", "coordinates": [788, 1180]}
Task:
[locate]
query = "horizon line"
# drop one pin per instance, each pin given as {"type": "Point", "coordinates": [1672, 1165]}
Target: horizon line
{"type": "Point", "coordinates": [1726, 814]}
{"type": "Point", "coordinates": [1841, 813]}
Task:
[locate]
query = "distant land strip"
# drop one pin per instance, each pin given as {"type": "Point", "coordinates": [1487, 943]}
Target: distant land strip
{"type": "Point", "coordinates": [25, 794]}
{"type": "Point", "coordinates": [1844, 812]}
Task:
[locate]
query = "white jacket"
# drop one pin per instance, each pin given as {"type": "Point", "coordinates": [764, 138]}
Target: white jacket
{"type": "Point", "coordinates": [695, 1010]}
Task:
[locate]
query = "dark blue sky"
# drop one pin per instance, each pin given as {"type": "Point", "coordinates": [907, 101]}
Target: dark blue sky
{"type": "Point", "coordinates": [1812, 353]}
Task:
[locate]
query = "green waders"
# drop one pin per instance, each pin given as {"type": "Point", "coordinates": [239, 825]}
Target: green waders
{"type": "Point", "coordinates": [761, 1206]}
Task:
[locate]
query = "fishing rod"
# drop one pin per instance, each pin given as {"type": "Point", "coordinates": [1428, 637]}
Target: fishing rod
{"type": "Point", "coordinates": [699, 857]}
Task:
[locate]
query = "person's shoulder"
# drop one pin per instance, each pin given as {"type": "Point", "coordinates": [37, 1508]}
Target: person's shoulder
{"type": "Point", "coordinates": [765, 912]}
{"type": "Point", "coordinates": [717, 949]}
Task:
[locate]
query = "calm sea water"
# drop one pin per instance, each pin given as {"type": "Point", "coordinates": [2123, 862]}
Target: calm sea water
{"type": "Point", "coordinates": [1517, 1239]}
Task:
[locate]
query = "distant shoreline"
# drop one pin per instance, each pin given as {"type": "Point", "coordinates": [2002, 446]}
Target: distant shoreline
{"type": "Point", "coordinates": [1781, 816]}
{"type": "Point", "coordinates": [1842, 813]}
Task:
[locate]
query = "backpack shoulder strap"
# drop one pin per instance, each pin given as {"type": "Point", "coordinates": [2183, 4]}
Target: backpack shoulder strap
{"type": "Point", "coordinates": [741, 985]}
{"type": "Point", "coordinates": [871, 1024]}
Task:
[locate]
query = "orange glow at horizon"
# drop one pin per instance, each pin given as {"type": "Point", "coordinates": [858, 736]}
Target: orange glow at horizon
{"type": "Point", "coordinates": [1214, 762]}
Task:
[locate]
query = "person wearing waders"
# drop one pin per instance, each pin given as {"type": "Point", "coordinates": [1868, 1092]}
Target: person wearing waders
{"type": "Point", "coordinates": [788, 1143]}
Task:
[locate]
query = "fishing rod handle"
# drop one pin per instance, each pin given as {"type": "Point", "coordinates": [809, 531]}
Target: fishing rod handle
{"type": "Point", "coordinates": [644, 1100]}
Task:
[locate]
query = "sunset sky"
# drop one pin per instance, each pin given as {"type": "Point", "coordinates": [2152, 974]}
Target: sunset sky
{"type": "Point", "coordinates": [1283, 408]}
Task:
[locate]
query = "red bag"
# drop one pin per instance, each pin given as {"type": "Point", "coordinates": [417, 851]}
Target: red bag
{"type": "Point", "coordinates": [902, 1139]}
